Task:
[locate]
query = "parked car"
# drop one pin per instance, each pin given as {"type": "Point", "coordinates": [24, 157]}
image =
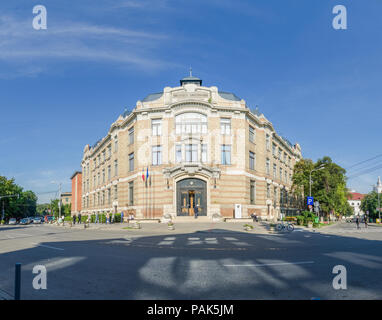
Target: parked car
{"type": "Point", "coordinates": [49, 218]}
{"type": "Point", "coordinates": [12, 221]}
{"type": "Point", "coordinates": [37, 220]}
{"type": "Point", "coordinates": [24, 221]}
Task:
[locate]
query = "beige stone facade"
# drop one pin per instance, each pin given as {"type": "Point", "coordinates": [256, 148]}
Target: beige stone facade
{"type": "Point", "coordinates": [203, 148]}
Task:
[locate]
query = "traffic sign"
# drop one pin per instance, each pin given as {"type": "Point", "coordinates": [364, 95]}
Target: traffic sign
{"type": "Point", "coordinates": [310, 201]}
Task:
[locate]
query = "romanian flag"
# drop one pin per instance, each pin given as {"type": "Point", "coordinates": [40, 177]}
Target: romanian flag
{"type": "Point", "coordinates": [143, 174]}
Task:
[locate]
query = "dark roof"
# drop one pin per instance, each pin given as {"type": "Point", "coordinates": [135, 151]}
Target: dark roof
{"type": "Point", "coordinates": [75, 173]}
{"type": "Point", "coordinates": [153, 96]}
{"type": "Point", "coordinates": [229, 96]}
{"type": "Point", "coordinates": [191, 79]}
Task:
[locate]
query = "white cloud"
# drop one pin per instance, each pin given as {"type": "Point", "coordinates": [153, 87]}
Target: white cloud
{"type": "Point", "coordinates": [21, 45]}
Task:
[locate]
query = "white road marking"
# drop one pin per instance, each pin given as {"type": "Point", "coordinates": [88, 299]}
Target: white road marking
{"type": "Point", "coordinates": [42, 245]}
{"type": "Point", "coordinates": [268, 264]}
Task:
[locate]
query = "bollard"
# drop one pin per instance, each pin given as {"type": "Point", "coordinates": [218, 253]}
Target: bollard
{"type": "Point", "coordinates": [17, 281]}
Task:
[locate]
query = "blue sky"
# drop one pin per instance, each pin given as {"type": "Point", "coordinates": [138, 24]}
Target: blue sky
{"type": "Point", "coordinates": [61, 88]}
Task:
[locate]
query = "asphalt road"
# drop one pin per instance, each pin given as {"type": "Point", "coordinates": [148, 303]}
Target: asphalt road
{"type": "Point", "coordinates": [203, 263]}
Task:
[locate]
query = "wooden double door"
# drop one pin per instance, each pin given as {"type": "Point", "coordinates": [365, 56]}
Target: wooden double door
{"type": "Point", "coordinates": [191, 193]}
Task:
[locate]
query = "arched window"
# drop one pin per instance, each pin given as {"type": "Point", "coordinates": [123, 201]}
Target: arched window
{"type": "Point", "coordinates": [191, 122]}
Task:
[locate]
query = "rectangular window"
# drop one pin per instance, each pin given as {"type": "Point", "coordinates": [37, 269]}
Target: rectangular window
{"type": "Point", "coordinates": [131, 161]}
{"type": "Point", "coordinates": [157, 155]}
{"type": "Point", "coordinates": [103, 155]}
{"type": "Point", "coordinates": [109, 196]}
{"type": "Point", "coordinates": [274, 149]}
{"type": "Point", "coordinates": [275, 196]}
{"type": "Point", "coordinates": [103, 175]}
{"type": "Point", "coordinates": [267, 141]}
{"type": "Point", "coordinates": [252, 133]}
{"type": "Point", "coordinates": [204, 153]}
{"type": "Point", "coordinates": [226, 154]}
{"type": "Point", "coordinates": [191, 152]}
{"type": "Point", "coordinates": [131, 193]}
{"type": "Point", "coordinates": [109, 151]}
{"type": "Point", "coordinates": [178, 153]}
{"type": "Point", "coordinates": [98, 179]}
{"type": "Point", "coordinates": [251, 160]}
{"type": "Point", "coordinates": [115, 192]}
{"type": "Point", "coordinates": [131, 135]}
{"type": "Point", "coordinates": [99, 159]}
{"type": "Point", "coordinates": [281, 173]}
{"type": "Point", "coordinates": [225, 126]}
{"type": "Point", "coordinates": [115, 168]}
{"type": "Point", "coordinates": [156, 126]}
{"type": "Point", "coordinates": [274, 171]}
{"type": "Point", "coordinates": [268, 166]}
{"type": "Point", "coordinates": [268, 190]}
{"type": "Point", "coordinates": [108, 173]}
{"type": "Point", "coordinates": [252, 192]}
{"type": "Point", "coordinates": [115, 143]}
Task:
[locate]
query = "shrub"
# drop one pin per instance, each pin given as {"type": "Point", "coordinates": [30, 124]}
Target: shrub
{"type": "Point", "coordinates": [300, 220]}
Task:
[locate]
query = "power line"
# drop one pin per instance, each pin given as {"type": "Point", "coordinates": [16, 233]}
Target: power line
{"type": "Point", "coordinates": [364, 161]}
{"type": "Point", "coordinates": [368, 170]}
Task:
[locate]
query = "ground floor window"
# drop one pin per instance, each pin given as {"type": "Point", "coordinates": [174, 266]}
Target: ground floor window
{"type": "Point", "coordinates": [131, 193]}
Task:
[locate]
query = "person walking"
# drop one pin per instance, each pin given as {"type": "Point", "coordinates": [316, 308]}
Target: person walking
{"type": "Point", "coordinates": [79, 218]}
{"type": "Point", "coordinates": [366, 218]}
{"type": "Point", "coordinates": [97, 218]}
{"type": "Point", "coordinates": [357, 222]}
{"type": "Point", "coordinates": [122, 217]}
{"type": "Point", "coordinates": [196, 211]}
{"type": "Point", "coordinates": [74, 219]}
{"type": "Point", "coordinates": [107, 218]}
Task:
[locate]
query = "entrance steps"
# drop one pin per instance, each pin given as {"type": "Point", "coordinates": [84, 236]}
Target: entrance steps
{"type": "Point", "coordinates": [192, 219]}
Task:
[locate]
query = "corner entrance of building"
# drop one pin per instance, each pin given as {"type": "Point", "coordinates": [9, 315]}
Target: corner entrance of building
{"type": "Point", "coordinates": [191, 193]}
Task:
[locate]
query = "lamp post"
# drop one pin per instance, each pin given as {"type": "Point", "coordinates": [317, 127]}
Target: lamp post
{"type": "Point", "coordinates": [310, 179]}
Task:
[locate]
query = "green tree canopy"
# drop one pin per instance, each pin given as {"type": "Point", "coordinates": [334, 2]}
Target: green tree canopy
{"type": "Point", "coordinates": [370, 203]}
{"type": "Point", "coordinates": [23, 205]}
{"type": "Point", "coordinates": [328, 184]}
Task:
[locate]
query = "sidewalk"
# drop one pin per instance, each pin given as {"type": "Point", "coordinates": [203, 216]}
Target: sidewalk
{"type": "Point", "coordinates": [180, 227]}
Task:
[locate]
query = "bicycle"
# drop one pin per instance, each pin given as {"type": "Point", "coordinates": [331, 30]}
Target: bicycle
{"type": "Point", "coordinates": [285, 226]}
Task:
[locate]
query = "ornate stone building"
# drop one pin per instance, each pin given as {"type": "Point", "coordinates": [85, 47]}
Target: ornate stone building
{"type": "Point", "coordinates": [201, 147]}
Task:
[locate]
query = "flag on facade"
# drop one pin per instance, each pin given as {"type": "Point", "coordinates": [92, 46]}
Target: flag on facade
{"type": "Point", "coordinates": [147, 176]}
{"type": "Point", "coordinates": [143, 174]}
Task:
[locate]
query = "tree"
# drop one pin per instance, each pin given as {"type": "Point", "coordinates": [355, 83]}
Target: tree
{"type": "Point", "coordinates": [328, 184]}
{"type": "Point", "coordinates": [23, 205]}
{"type": "Point", "coordinates": [370, 203]}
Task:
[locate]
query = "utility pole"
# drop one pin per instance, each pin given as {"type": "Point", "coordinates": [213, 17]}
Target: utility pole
{"type": "Point", "coordinates": [59, 202]}
{"type": "Point", "coordinates": [310, 178]}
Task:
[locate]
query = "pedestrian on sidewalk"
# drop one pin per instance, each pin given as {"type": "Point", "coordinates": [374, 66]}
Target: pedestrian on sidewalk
{"type": "Point", "coordinates": [97, 218]}
{"type": "Point", "coordinates": [74, 219]}
{"type": "Point", "coordinates": [122, 217]}
{"type": "Point", "coordinates": [112, 217]}
{"type": "Point", "coordinates": [79, 218]}
{"type": "Point", "coordinates": [366, 218]}
{"type": "Point", "coordinates": [107, 218]}
{"type": "Point", "coordinates": [357, 222]}
{"type": "Point", "coordinates": [196, 211]}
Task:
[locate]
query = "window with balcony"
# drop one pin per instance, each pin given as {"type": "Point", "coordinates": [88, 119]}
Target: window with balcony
{"type": "Point", "coordinates": [191, 152]}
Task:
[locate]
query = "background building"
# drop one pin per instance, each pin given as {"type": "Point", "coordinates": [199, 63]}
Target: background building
{"type": "Point", "coordinates": [76, 192]}
{"type": "Point", "coordinates": [66, 198]}
{"type": "Point", "coordinates": [355, 199]}
{"type": "Point", "coordinates": [193, 145]}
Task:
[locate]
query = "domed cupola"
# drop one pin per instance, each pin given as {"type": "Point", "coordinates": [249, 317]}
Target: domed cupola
{"type": "Point", "coordinates": [191, 79]}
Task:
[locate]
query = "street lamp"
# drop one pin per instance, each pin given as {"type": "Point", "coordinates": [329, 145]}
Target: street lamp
{"type": "Point", "coordinates": [310, 177]}
{"type": "Point", "coordinates": [310, 180]}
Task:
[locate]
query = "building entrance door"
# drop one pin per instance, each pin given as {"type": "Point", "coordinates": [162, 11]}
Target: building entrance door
{"type": "Point", "coordinates": [191, 193]}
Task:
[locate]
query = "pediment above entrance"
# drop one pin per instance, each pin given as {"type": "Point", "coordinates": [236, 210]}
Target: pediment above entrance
{"type": "Point", "coordinates": [191, 170]}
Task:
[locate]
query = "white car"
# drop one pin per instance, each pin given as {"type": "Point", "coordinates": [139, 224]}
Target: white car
{"type": "Point", "coordinates": [12, 221]}
{"type": "Point", "coordinates": [37, 221]}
